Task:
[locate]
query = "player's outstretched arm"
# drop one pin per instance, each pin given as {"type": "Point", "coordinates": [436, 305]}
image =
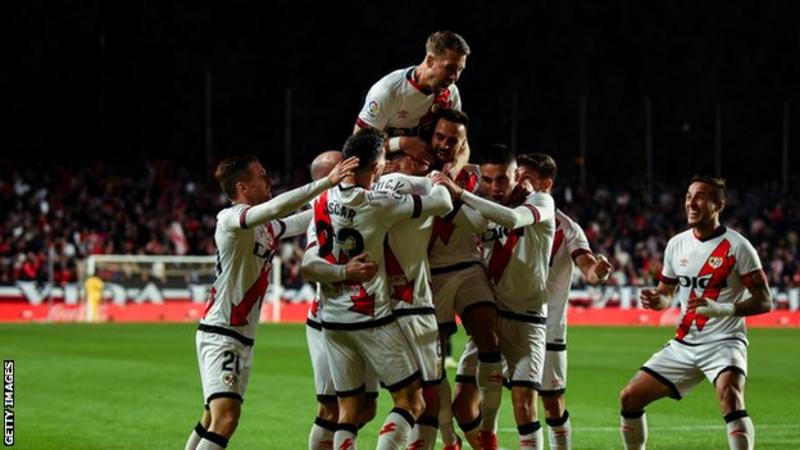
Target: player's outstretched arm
{"type": "Point", "coordinates": [437, 202]}
{"type": "Point", "coordinates": [296, 224]}
{"type": "Point", "coordinates": [658, 298]}
{"type": "Point", "coordinates": [315, 268]}
{"type": "Point", "coordinates": [290, 201]}
{"type": "Point", "coordinates": [595, 270]}
{"type": "Point", "coordinates": [759, 302]}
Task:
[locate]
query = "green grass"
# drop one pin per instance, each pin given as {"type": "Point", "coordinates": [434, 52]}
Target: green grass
{"type": "Point", "coordinates": [137, 387]}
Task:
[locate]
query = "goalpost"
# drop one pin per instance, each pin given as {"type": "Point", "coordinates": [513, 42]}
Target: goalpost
{"type": "Point", "coordinates": [140, 277]}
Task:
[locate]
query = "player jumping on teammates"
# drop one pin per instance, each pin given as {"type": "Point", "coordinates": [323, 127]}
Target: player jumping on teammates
{"type": "Point", "coordinates": [712, 268]}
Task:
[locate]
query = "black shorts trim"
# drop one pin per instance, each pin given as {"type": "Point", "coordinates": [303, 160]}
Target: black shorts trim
{"type": "Point", "coordinates": [448, 328]}
{"type": "Point", "coordinates": [522, 317]}
{"type": "Point", "coordinates": [555, 347]}
{"type": "Point", "coordinates": [351, 393]}
{"type": "Point", "coordinates": [322, 398]}
{"type": "Point", "coordinates": [691, 344]}
{"type": "Point", "coordinates": [402, 383]}
{"type": "Point", "coordinates": [313, 324]}
{"type": "Point", "coordinates": [453, 267]}
{"type": "Point", "coordinates": [466, 379]}
{"type": "Point", "coordinates": [736, 369]}
{"type": "Point", "coordinates": [217, 395]}
{"type": "Point", "coordinates": [481, 304]}
{"type": "Point", "coordinates": [524, 383]}
{"type": "Point", "coordinates": [358, 325]}
{"type": "Point", "coordinates": [552, 393]}
{"type": "Point", "coordinates": [213, 329]}
{"type": "Point", "coordinates": [413, 312]}
{"type": "Point", "coordinates": [674, 389]}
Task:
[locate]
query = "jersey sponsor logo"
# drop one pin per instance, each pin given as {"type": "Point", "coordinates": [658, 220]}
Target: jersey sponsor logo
{"type": "Point", "coordinates": [714, 280]}
{"type": "Point", "coordinates": [373, 108]}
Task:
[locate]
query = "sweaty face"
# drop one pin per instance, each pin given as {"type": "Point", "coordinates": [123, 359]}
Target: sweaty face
{"type": "Point", "coordinates": [258, 188]}
{"type": "Point", "coordinates": [446, 68]}
{"type": "Point", "coordinates": [496, 181]}
{"type": "Point", "coordinates": [701, 209]}
{"type": "Point", "coordinates": [448, 137]}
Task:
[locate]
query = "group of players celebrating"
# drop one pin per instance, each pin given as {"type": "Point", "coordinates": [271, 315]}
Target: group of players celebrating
{"type": "Point", "coordinates": [404, 233]}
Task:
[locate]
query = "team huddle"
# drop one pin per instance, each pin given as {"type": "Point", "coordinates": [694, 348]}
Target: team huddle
{"type": "Point", "coordinates": [407, 228]}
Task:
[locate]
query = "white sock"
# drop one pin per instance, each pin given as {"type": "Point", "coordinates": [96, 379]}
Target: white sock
{"type": "Point", "coordinates": [395, 430]}
{"type": "Point", "coordinates": [531, 436]}
{"type": "Point", "coordinates": [560, 432]}
{"type": "Point", "coordinates": [212, 441]}
{"type": "Point", "coordinates": [446, 413]}
{"type": "Point", "coordinates": [321, 436]}
{"type": "Point", "coordinates": [423, 435]}
{"type": "Point", "coordinates": [633, 428]}
{"type": "Point", "coordinates": [194, 438]}
{"type": "Point", "coordinates": [741, 433]}
{"type": "Point", "coordinates": [490, 386]}
{"type": "Point", "coordinates": [345, 437]}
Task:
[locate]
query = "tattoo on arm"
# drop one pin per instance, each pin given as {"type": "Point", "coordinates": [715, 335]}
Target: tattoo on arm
{"type": "Point", "coordinates": [760, 300]}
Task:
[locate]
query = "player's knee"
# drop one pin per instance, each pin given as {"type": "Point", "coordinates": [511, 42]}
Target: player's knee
{"type": "Point", "coordinates": [465, 407]}
{"type": "Point", "coordinates": [225, 423]}
{"type": "Point", "coordinates": [328, 411]}
{"type": "Point", "coordinates": [730, 396]}
{"type": "Point", "coordinates": [553, 405]}
{"type": "Point", "coordinates": [370, 410]}
{"type": "Point", "coordinates": [629, 399]}
{"type": "Point", "coordinates": [486, 339]}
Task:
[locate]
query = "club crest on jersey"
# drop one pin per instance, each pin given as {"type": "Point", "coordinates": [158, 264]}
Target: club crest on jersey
{"type": "Point", "coordinates": [229, 378]}
{"type": "Point", "coordinates": [373, 108]}
{"type": "Point", "coordinates": [715, 262]}
{"type": "Point", "coordinates": [435, 107]}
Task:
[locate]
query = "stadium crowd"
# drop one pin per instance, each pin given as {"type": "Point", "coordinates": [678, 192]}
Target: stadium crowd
{"type": "Point", "coordinates": [160, 208]}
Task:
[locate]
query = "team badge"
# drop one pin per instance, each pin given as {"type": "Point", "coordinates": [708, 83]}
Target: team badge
{"type": "Point", "coordinates": [715, 262]}
{"type": "Point", "coordinates": [373, 108]}
{"type": "Point", "coordinates": [229, 378]}
{"type": "Point", "coordinates": [435, 107]}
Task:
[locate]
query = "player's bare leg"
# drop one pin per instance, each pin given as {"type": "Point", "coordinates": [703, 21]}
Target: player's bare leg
{"type": "Point", "coordinates": [350, 415]}
{"type": "Point", "coordinates": [523, 398]}
{"type": "Point", "coordinates": [321, 436]}
{"type": "Point", "coordinates": [423, 436]}
{"type": "Point", "coordinates": [480, 321]}
{"type": "Point", "coordinates": [445, 403]}
{"type": "Point", "coordinates": [199, 431]}
{"type": "Point", "coordinates": [730, 393]}
{"type": "Point", "coordinates": [642, 390]}
{"type": "Point", "coordinates": [225, 414]}
{"type": "Point", "coordinates": [557, 419]}
{"type": "Point", "coordinates": [408, 406]}
{"type": "Point", "coordinates": [466, 409]}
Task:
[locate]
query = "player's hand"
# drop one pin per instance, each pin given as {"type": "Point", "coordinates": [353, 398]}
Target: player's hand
{"type": "Point", "coordinates": [603, 268]}
{"type": "Point", "coordinates": [652, 299]}
{"type": "Point", "coordinates": [443, 180]}
{"type": "Point", "coordinates": [519, 194]}
{"type": "Point", "coordinates": [707, 307]}
{"type": "Point", "coordinates": [417, 149]}
{"type": "Point", "coordinates": [342, 170]}
{"type": "Point", "coordinates": [359, 269]}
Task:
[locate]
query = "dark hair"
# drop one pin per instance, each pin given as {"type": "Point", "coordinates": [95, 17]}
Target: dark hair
{"type": "Point", "coordinates": [366, 145]}
{"type": "Point", "coordinates": [451, 115]}
{"type": "Point", "coordinates": [231, 170]}
{"type": "Point", "coordinates": [441, 41]}
{"type": "Point", "coordinates": [542, 163]}
{"type": "Point", "coordinates": [717, 184]}
{"type": "Point", "coordinates": [495, 154]}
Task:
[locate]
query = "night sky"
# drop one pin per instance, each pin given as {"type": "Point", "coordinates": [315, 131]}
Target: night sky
{"type": "Point", "coordinates": [87, 80]}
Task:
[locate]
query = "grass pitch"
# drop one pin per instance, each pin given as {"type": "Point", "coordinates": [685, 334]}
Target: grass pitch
{"type": "Point", "coordinates": [137, 387]}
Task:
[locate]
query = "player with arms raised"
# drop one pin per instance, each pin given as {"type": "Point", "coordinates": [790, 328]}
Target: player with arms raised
{"type": "Point", "coordinates": [712, 268]}
{"type": "Point", "coordinates": [246, 236]}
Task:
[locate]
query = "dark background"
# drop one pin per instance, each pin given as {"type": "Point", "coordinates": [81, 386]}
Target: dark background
{"type": "Point", "coordinates": [124, 81]}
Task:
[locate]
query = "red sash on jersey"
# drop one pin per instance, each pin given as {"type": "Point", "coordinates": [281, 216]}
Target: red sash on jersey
{"type": "Point", "coordinates": [719, 266]}
{"type": "Point", "coordinates": [501, 254]}
{"type": "Point", "coordinates": [403, 291]}
{"type": "Point", "coordinates": [363, 302]}
{"type": "Point", "coordinates": [443, 227]}
{"type": "Point", "coordinates": [558, 239]}
{"type": "Point", "coordinates": [253, 295]}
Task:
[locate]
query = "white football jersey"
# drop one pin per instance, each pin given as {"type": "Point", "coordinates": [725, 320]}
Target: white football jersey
{"type": "Point", "coordinates": [453, 239]}
{"type": "Point", "coordinates": [712, 268]}
{"type": "Point", "coordinates": [569, 242]}
{"type": "Point", "coordinates": [244, 256]}
{"type": "Point", "coordinates": [397, 105]}
{"type": "Point", "coordinates": [407, 248]}
{"type": "Point", "coordinates": [350, 221]}
{"type": "Point", "coordinates": [517, 261]}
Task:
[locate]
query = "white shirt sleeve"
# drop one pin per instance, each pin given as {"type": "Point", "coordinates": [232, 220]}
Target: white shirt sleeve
{"type": "Point", "coordinates": [456, 102]}
{"type": "Point", "coordinates": [747, 260]}
{"type": "Point", "coordinates": [477, 222]}
{"type": "Point", "coordinates": [537, 208]}
{"type": "Point", "coordinates": [577, 243]}
{"type": "Point", "coordinates": [397, 206]}
{"type": "Point", "coordinates": [668, 275]}
{"type": "Point", "coordinates": [317, 269]}
{"type": "Point", "coordinates": [283, 204]}
{"type": "Point", "coordinates": [296, 224]}
{"type": "Point", "coordinates": [379, 106]}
